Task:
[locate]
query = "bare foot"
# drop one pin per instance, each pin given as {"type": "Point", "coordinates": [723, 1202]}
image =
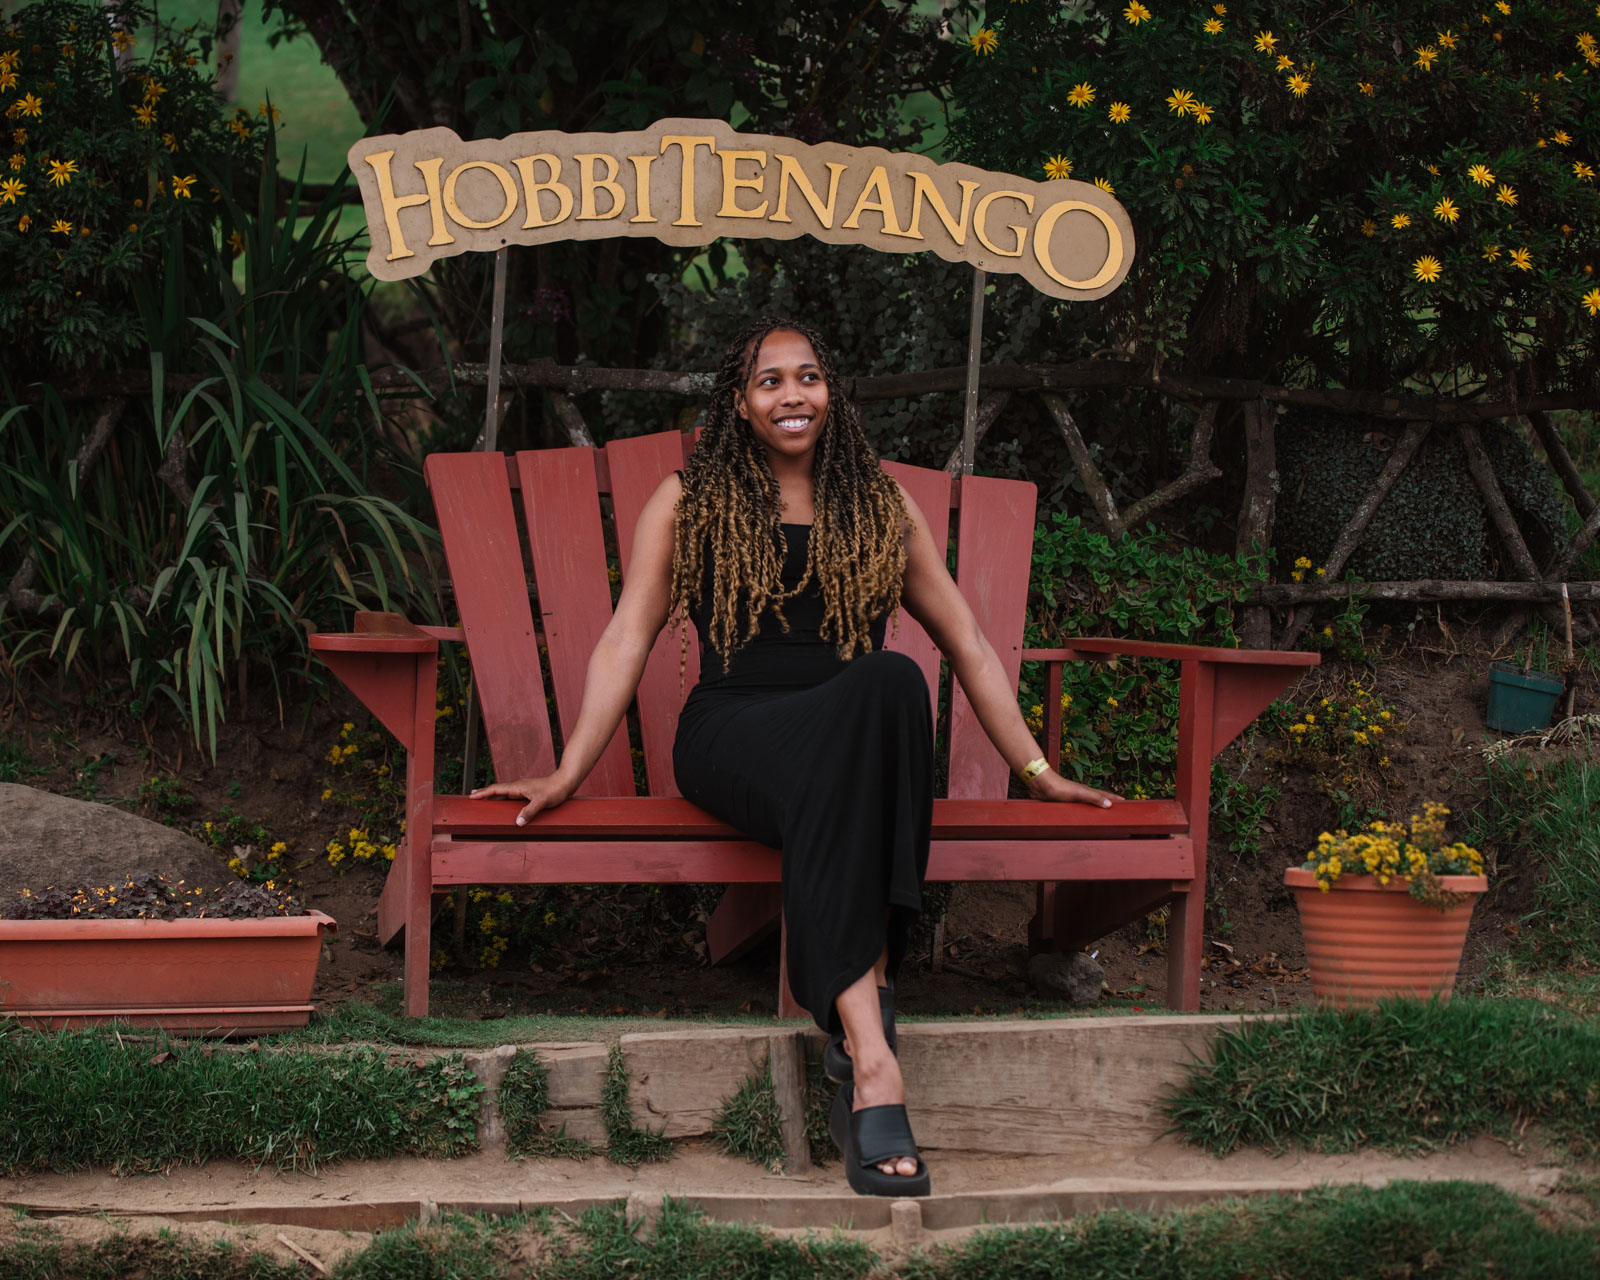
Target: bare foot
{"type": "Point", "coordinates": [879, 1084]}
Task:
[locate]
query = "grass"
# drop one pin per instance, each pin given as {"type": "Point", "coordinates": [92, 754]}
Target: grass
{"type": "Point", "coordinates": [524, 1099]}
{"type": "Point", "coordinates": [749, 1124]}
{"type": "Point", "coordinates": [627, 1144]}
{"type": "Point", "coordinates": [1409, 1076]}
{"type": "Point", "coordinates": [1444, 1230]}
{"type": "Point", "coordinates": [73, 1100]}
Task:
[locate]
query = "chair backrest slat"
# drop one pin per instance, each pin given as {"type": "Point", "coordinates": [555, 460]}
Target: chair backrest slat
{"type": "Point", "coordinates": [638, 466]}
{"type": "Point", "coordinates": [472, 499]}
{"type": "Point", "coordinates": [561, 500]}
{"type": "Point", "coordinates": [930, 490]}
{"type": "Point", "coordinates": [994, 554]}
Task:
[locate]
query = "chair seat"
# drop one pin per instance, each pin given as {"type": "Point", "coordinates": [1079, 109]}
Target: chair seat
{"type": "Point", "coordinates": [646, 817]}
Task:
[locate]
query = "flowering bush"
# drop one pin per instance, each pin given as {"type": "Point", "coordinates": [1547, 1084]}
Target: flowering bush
{"type": "Point", "coordinates": [1349, 728]}
{"type": "Point", "coordinates": [1387, 850]}
{"type": "Point", "coordinates": [1340, 196]}
{"type": "Point", "coordinates": [107, 164]}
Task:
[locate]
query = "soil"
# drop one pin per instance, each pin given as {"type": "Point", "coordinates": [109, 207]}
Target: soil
{"type": "Point", "coordinates": [637, 950]}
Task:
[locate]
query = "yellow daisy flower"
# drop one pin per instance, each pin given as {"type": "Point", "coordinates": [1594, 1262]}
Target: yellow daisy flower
{"type": "Point", "coordinates": [1058, 167]}
{"type": "Point", "coordinates": [61, 227]}
{"type": "Point", "coordinates": [29, 105]}
{"type": "Point", "coordinates": [983, 42]}
{"type": "Point", "coordinates": [24, 222]}
{"type": "Point", "coordinates": [1400, 221]}
{"type": "Point", "coordinates": [1591, 302]}
{"type": "Point", "coordinates": [1213, 27]}
{"type": "Point", "coordinates": [1583, 171]}
{"type": "Point", "coordinates": [1367, 90]}
{"type": "Point", "coordinates": [1298, 85]}
{"type": "Point", "coordinates": [1506, 195]}
{"type": "Point", "coordinates": [1285, 62]}
{"type": "Point", "coordinates": [1369, 228]}
{"type": "Point", "coordinates": [61, 172]}
{"type": "Point", "coordinates": [1181, 101]}
{"type": "Point", "coordinates": [9, 58]}
{"type": "Point", "coordinates": [1491, 253]}
{"type": "Point", "coordinates": [8, 80]}
{"type": "Point", "coordinates": [1081, 95]}
{"type": "Point", "coordinates": [1201, 113]}
{"type": "Point", "coordinates": [1221, 10]}
{"type": "Point", "coordinates": [180, 186]}
{"type": "Point", "coordinates": [17, 161]}
{"type": "Point", "coordinates": [122, 41]}
{"type": "Point", "coordinates": [1426, 268]}
{"type": "Point", "coordinates": [11, 189]}
{"type": "Point", "coordinates": [1480, 174]}
{"type": "Point", "coordinates": [1561, 138]}
{"type": "Point", "coordinates": [1119, 113]}
{"type": "Point", "coordinates": [145, 115]}
{"type": "Point", "coordinates": [1446, 211]}
{"type": "Point", "coordinates": [1522, 259]}
{"type": "Point", "coordinates": [1136, 13]}
{"type": "Point", "coordinates": [1447, 39]}
{"type": "Point", "coordinates": [1425, 57]}
{"type": "Point", "coordinates": [1266, 42]}
{"type": "Point", "coordinates": [1502, 6]}
{"type": "Point", "coordinates": [1111, 191]}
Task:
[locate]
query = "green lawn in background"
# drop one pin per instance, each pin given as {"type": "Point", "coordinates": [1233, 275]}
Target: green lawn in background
{"type": "Point", "coordinates": [316, 115]}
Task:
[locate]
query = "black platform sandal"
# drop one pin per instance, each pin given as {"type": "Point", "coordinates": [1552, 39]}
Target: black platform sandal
{"type": "Point", "coordinates": [874, 1136]}
{"type": "Point", "coordinates": [836, 1064]}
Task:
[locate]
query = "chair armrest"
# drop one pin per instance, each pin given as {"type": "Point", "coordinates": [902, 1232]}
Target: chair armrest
{"type": "Point", "coordinates": [1112, 646]}
{"type": "Point", "coordinates": [377, 633]}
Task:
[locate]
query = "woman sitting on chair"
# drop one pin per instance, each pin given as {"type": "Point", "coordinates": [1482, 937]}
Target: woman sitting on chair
{"type": "Point", "coordinates": [791, 550]}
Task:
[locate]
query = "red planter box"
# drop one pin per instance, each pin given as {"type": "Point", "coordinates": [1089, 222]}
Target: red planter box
{"type": "Point", "coordinates": [208, 977]}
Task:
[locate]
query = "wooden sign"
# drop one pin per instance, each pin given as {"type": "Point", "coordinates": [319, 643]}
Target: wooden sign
{"type": "Point", "coordinates": [429, 195]}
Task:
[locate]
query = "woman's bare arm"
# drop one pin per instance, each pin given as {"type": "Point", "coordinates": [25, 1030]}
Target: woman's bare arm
{"type": "Point", "coordinates": [931, 597]}
{"type": "Point", "coordinates": [618, 659]}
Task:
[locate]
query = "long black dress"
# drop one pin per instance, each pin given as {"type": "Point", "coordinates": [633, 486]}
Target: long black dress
{"type": "Point", "coordinates": [829, 762]}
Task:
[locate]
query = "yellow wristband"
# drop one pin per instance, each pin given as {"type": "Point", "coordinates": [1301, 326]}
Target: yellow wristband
{"type": "Point", "coordinates": [1034, 768]}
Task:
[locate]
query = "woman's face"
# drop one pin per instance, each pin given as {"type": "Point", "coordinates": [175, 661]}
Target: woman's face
{"type": "Point", "coordinates": [786, 400]}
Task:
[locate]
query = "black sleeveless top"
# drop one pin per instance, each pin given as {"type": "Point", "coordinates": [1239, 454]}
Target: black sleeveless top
{"type": "Point", "coordinates": [775, 659]}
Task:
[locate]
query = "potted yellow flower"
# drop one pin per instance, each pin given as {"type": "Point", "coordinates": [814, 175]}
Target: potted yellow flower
{"type": "Point", "coordinates": [1385, 911]}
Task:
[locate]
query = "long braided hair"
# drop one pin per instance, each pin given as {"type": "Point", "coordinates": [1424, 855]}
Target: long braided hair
{"type": "Point", "coordinates": [729, 517]}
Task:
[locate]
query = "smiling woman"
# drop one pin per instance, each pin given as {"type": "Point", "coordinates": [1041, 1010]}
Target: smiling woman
{"type": "Point", "coordinates": [791, 550]}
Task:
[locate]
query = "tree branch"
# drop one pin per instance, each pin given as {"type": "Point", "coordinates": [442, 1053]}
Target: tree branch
{"type": "Point", "coordinates": [1094, 481]}
{"type": "Point", "coordinates": [988, 411]}
{"type": "Point", "coordinates": [1200, 470]}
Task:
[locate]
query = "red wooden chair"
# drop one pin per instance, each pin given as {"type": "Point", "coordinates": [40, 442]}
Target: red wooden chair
{"type": "Point", "coordinates": [1097, 868]}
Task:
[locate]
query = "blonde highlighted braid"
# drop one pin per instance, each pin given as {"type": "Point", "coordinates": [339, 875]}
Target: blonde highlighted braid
{"type": "Point", "coordinates": [729, 517]}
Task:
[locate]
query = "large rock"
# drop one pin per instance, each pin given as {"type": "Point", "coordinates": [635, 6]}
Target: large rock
{"type": "Point", "coordinates": [1071, 976]}
{"type": "Point", "coordinates": [47, 840]}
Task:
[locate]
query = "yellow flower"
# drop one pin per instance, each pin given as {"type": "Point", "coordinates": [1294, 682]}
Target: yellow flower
{"type": "Point", "coordinates": [30, 105]}
{"type": "Point", "coordinates": [1058, 167]}
{"type": "Point", "coordinates": [61, 172]}
{"type": "Point", "coordinates": [8, 80]}
{"type": "Point", "coordinates": [1201, 113]}
{"type": "Point", "coordinates": [1480, 174]}
{"type": "Point", "coordinates": [1446, 211]}
{"type": "Point", "coordinates": [240, 126]}
{"type": "Point", "coordinates": [1505, 195]}
{"type": "Point", "coordinates": [1081, 95]}
{"type": "Point", "coordinates": [121, 41]}
{"type": "Point", "coordinates": [1181, 101]}
{"type": "Point", "coordinates": [1426, 268]}
{"type": "Point", "coordinates": [268, 110]}
{"type": "Point", "coordinates": [1400, 221]}
{"type": "Point", "coordinates": [1561, 138]}
{"type": "Point", "coordinates": [1112, 702]}
{"type": "Point", "coordinates": [1491, 253]}
{"type": "Point", "coordinates": [171, 139]}
{"type": "Point", "coordinates": [1119, 113]}
{"type": "Point", "coordinates": [10, 189]}
{"type": "Point", "coordinates": [236, 243]}
{"type": "Point", "coordinates": [17, 161]}
{"type": "Point", "coordinates": [1447, 39]}
{"type": "Point", "coordinates": [145, 115]}
{"type": "Point", "coordinates": [1136, 13]}
{"type": "Point", "coordinates": [1285, 62]}
{"type": "Point", "coordinates": [1583, 171]}
{"type": "Point", "coordinates": [1213, 26]}
{"type": "Point", "coordinates": [1368, 227]}
{"type": "Point", "coordinates": [9, 59]}
{"type": "Point", "coordinates": [1105, 186]}
{"type": "Point", "coordinates": [983, 42]}
{"type": "Point", "coordinates": [61, 227]}
{"type": "Point", "coordinates": [1365, 88]}
{"type": "Point", "coordinates": [24, 222]}
{"type": "Point", "coordinates": [1425, 57]}
{"type": "Point", "coordinates": [180, 186]}
{"type": "Point", "coordinates": [1221, 10]}
{"type": "Point", "coordinates": [1522, 259]}
{"type": "Point", "coordinates": [1298, 85]}
{"type": "Point", "coordinates": [153, 89]}
{"type": "Point", "coordinates": [1266, 42]}
{"type": "Point", "coordinates": [1502, 6]}
{"type": "Point", "coordinates": [1591, 302]}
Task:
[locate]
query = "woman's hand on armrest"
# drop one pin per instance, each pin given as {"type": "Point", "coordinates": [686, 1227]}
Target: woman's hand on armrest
{"type": "Point", "coordinates": [540, 793]}
{"type": "Point", "coordinates": [1050, 785]}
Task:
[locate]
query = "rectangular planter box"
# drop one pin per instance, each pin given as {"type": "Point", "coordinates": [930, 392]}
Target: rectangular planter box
{"type": "Point", "coordinates": [205, 977]}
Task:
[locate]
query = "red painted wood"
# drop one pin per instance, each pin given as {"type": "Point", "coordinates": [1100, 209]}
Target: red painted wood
{"type": "Point", "coordinates": [1087, 912]}
{"type": "Point", "coordinates": [1152, 649]}
{"type": "Point", "coordinates": [1241, 694]}
{"type": "Point", "coordinates": [746, 916]}
{"type": "Point", "coordinates": [638, 466]}
{"type": "Point", "coordinates": [930, 490]}
{"type": "Point", "coordinates": [561, 504]}
{"type": "Point", "coordinates": [360, 642]}
{"type": "Point", "coordinates": [419, 861]}
{"type": "Point", "coordinates": [1196, 709]}
{"type": "Point", "coordinates": [669, 819]}
{"type": "Point", "coordinates": [995, 550]}
{"type": "Point", "coordinates": [385, 681]}
{"type": "Point", "coordinates": [735, 861]}
{"type": "Point", "coordinates": [472, 498]}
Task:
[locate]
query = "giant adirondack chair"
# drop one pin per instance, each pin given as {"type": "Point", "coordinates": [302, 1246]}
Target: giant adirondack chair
{"type": "Point", "coordinates": [1096, 869]}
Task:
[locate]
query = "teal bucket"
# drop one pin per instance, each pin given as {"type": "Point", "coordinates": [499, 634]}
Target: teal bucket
{"type": "Point", "coordinates": [1521, 702]}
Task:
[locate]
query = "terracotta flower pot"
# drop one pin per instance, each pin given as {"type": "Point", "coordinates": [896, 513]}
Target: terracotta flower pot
{"type": "Point", "coordinates": [207, 976]}
{"type": "Point", "coordinates": [1365, 940]}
